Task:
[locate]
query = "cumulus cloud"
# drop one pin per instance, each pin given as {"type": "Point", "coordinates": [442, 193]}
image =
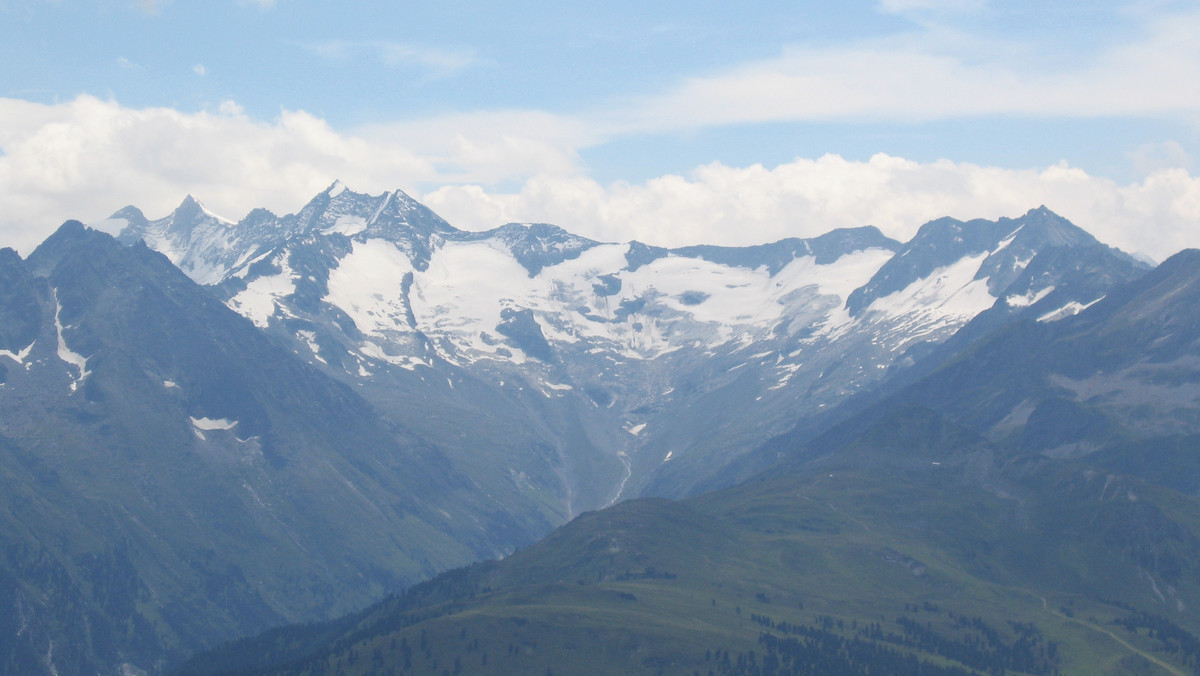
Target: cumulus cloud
{"type": "Point", "coordinates": [492, 147]}
{"type": "Point", "coordinates": [89, 157]}
{"type": "Point", "coordinates": [736, 206]}
{"type": "Point", "coordinates": [1152, 157]}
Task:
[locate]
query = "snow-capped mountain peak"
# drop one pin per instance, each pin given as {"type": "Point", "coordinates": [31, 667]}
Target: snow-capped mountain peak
{"type": "Point", "coordinates": [379, 290]}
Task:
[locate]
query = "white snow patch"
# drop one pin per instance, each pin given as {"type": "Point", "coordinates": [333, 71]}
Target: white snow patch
{"type": "Point", "coordinates": [336, 189]}
{"type": "Point", "coordinates": [841, 277]}
{"type": "Point", "coordinates": [310, 339]}
{"type": "Point", "coordinates": [1069, 310]}
{"type": "Point", "coordinates": [559, 387]}
{"type": "Point", "coordinates": [258, 301]}
{"type": "Point", "coordinates": [635, 430]}
{"type": "Point", "coordinates": [20, 356]}
{"type": "Point", "coordinates": [65, 353]}
{"type": "Point", "coordinates": [243, 266]}
{"type": "Point", "coordinates": [1029, 298]}
{"type": "Point", "coordinates": [170, 384]}
{"type": "Point", "coordinates": [373, 350]}
{"type": "Point", "coordinates": [949, 297]}
{"type": "Point", "coordinates": [628, 464]}
{"type": "Point", "coordinates": [209, 424]}
{"type": "Point", "coordinates": [347, 225]}
{"type": "Point", "coordinates": [387, 199]}
{"type": "Point", "coordinates": [789, 371]}
{"type": "Point", "coordinates": [1007, 240]}
{"type": "Point", "coordinates": [457, 299]}
{"type": "Point", "coordinates": [367, 285]}
{"type": "Point", "coordinates": [457, 302]}
{"type": "Point", "coordinates": [213, 215]}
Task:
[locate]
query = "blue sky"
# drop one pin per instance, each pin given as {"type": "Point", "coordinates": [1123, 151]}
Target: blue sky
{"type": "Point", "coordinates": [666, 122]}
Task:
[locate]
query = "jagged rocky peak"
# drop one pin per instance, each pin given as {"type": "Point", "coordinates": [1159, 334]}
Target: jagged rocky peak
{"type": "Point", "coordinates": [70, 236]}
{"type": "Point", "coordinates": [8, 256]}
{"type": "Point", "coordinates": [191, 210]}
{"type": "Point", "coordinates": [19, 313]}
{"type": "Point", "coordinates": [836, 243]}
{"type": "Point", "coordinates": [640, 254]}
{"type": "Point", "coordinates": [132, 217]}
{"type": "Point", "coordinates": [181, 225]}
{"type": "Point", "coordinates": [1005, 247]}
{"type": "Point", "coordinates": [187, 217]}
{"type": "Point", "coordinates": [93, 260]}
{"type": "Point", "coordinates": [1042, 227]}
{"type": "Point", "coordinates": [401, 212]}
{"type": "Point", "coordinates": [392, 215]}
{"type": "Point", "coordinates": [535, 232]}
{"type": "Point", "coordinates": [539, 245]}
{"type": "Point", "coordinates": [826, 249]}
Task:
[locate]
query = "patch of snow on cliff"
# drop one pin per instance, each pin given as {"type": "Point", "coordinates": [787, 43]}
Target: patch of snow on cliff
{"type": "Point", "coordinates": [257, 302]}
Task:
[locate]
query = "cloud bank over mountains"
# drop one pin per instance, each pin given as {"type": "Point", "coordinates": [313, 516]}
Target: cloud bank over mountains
{"type": "Point", "coordinates": [88, 157]}
{"type": "Point", "coordinates": [1093, 112]}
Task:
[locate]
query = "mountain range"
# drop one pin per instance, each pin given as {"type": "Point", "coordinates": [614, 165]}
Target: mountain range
{"type": "Point", "coordinates": [1031, 506]}
{"type": "Point", "coordinates": [639, 370]}
{"type": "Point", "coordinates": [212, 428]}
{"type": "Point", "coordinates": [174, 478]}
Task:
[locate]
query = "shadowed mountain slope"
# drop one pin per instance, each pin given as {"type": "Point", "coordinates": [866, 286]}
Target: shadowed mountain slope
{"type": "Point", "coordinates": [943, 530]}
{"type": "Point", "coordinates": [173, 478]}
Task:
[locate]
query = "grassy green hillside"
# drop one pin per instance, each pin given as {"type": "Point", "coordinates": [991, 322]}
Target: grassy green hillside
{"type": "Point", "coordinates": [911, 549]}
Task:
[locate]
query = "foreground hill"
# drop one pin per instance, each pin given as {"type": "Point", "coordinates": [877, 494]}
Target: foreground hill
{"type": "Point", "coordinates": [938, 532]}
{"type": "Point", "coordinates": [172, 478]}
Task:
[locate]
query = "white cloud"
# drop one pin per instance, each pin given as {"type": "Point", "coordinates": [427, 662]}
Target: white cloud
{"type": "Point", "coordinates": [933, 75]}
{"type": "Point", "coordinates": [733, 206]}
{"type": "Point", "coordinates": [230, 107]}
{"type": "Point", "coordinates": [87, 158]}
{"type": "Point", "coordinates": [200, 70]}
{"type": "Point", "coordinates": [1152, 157]}
{"type": "Point", "coordinates": [438, 61]}
{"type": "Point", "coordinates": [491, 147]}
